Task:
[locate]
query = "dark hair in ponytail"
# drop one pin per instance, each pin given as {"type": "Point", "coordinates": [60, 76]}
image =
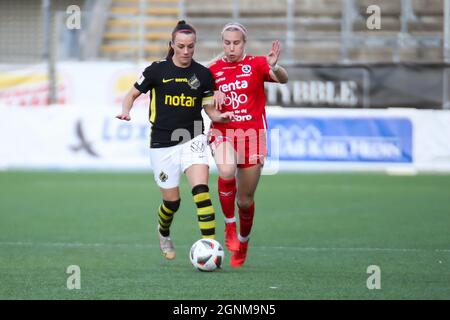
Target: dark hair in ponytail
{"type": "Point", "coordinates": [182, 27]}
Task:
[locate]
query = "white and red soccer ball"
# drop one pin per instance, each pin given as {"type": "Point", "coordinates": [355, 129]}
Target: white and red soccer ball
{"type": "Point", "coordinates": [206, 255]}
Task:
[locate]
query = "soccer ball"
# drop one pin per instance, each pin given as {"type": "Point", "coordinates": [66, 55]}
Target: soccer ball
{"type": "Point", "coordinates": [206, 255]}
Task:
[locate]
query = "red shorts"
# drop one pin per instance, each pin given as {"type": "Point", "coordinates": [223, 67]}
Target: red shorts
{"type": "Point", "coordinates": [250, 146]}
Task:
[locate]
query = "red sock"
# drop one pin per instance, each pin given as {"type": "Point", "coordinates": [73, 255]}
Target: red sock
{"type": "Point", "coordinates": [246, 220]}
{"type": "Point", "coordinates": [227, 196]}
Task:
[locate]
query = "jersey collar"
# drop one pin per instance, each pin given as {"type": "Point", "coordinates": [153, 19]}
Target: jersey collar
{"type": "Point", "coordinates": [225, 60]}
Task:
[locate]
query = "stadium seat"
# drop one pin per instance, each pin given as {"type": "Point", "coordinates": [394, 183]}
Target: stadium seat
{"type": "Point", "coordinates": [122, 35]}
{"type": "Point", "coordinates": [312, 35]}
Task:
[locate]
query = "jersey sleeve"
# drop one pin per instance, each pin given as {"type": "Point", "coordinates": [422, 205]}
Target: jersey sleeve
{"type": "Point", "coordinates": [208, 89]}
{"type": "Point", "coordinates": [265, 69]}
{"type": "Point", "coordinates": [147, 79]}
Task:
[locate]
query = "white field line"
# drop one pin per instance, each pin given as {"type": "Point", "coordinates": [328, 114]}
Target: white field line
{"type": "Point", "coordinates": [141, 245]}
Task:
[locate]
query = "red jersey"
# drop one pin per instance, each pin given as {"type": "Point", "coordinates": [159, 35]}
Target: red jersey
{"type": "Point", "coordinates": [243, 84]}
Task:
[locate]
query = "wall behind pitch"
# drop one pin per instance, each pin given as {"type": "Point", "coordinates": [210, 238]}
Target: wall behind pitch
{"type": "Point", "coordinates": [73, 137]}
{"type": "Point", "coordinates": [348, 139]}
{"type": "Point", "coordinates": [338, 86]}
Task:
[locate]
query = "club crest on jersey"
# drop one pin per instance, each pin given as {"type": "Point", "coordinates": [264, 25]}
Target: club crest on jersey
{"type": "Point", "coordinates": [246, 68]}
{"type": "Point", "coordinates": [163, 176]}
{"type": "Point", "coordinates": [193, 82]}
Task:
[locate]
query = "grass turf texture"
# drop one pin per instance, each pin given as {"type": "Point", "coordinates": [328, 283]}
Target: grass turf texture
{"type": "Point", "coordinates": [314, 237]}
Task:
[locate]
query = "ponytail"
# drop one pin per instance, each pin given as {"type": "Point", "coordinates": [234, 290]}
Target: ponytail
{"type": "Point", "coordinates": [171, 52]}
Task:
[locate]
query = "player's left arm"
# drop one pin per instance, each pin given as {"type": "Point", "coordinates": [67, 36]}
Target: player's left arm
{"type": "Point", "coordinates": [219, 99]}
{"type": "Point", "coordinates": [209, 101]}
{"type": "Point", "coordinates": [215, 115]}
{"type": "Point", "coordinates": [277, 73]}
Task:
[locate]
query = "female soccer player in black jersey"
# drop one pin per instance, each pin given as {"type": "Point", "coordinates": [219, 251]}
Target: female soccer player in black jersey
{"type": "Point", "coordinates": [180, 89]}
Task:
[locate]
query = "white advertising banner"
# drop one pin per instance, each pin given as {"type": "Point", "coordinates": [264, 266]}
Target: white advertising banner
{"type": "Point", "coordinates": [73, 137]}
{"type": "Point", "coordinates": [84, 84]}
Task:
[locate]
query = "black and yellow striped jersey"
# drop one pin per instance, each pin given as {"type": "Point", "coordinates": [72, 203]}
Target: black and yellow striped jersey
{"type": "Point", "coordinates": [177, 97]}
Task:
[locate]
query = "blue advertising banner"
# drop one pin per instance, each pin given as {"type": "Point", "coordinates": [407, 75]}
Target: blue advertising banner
{"type": "Point", "coordinates": [342, 139]}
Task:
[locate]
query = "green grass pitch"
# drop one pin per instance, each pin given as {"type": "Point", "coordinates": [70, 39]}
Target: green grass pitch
{"type": "Point", "coordinates": [314, 237]}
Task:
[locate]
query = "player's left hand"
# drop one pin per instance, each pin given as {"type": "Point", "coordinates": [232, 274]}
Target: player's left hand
{"type": "Point", "coordinates": [274, 53]}
{"type": "Point", "coordinates": [219, 99]}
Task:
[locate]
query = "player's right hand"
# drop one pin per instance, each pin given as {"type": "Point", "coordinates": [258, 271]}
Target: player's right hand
{"type": "Point", "coordinates": [227, 116]}
{"type": "Point", "coordinates": [219, 99]}
{"type": "Point", "coordinates": [125, 117]}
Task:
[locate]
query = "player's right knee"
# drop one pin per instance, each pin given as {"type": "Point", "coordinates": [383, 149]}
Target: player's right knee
{"type": "Point", "coordinates": [172, 205]}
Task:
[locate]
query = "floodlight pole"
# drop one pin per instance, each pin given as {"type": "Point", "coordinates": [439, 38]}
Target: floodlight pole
{"type": "Point", "coordinates": [446, 69]}
{"type": "Point", "coordinates": [290, 32]}
{"type": "Point", "coordinates": [236, 10]}
{"type": "Point", "coordinates": [347, 16]}
{"type": "Point", "coordinates": [447, 31]}
{"type": "Point", "coordinates": [49, 52]}
{"type": "Point", "coordinates": [141, 30]}
{"type": "Point", "coordinates": [181, 10]}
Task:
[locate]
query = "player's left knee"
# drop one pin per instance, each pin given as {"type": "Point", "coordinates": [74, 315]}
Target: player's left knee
{"type": "Point", "coordinates": [245, 202]}
{"type": "Point", "coordinates": [200, 188]}
{"type": "Point", "coordinates": [172, 205]}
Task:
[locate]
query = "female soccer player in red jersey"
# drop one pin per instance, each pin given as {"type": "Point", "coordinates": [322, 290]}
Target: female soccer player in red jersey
{"type": "Point", "coordinates": [239, 147]}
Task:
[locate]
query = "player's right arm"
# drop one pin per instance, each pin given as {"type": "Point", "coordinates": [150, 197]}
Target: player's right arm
{"type": "Point", "coordinates": [127, 103]}
{"type": "Point", "coordinates": [143, 85]}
